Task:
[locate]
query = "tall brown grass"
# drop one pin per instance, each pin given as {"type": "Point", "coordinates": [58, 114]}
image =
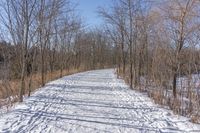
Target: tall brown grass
{"type": "Point", "coordinates": [9, 89]}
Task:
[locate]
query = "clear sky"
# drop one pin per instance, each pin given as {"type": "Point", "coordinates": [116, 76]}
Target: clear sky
{"type": "Point", "coordinates": [88, 10]}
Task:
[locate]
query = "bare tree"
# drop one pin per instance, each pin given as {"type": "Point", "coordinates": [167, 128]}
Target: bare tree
{"type": "Point", "coordinates": [180, 17]}
{"type": "Point", "coordinates": [18, 20]}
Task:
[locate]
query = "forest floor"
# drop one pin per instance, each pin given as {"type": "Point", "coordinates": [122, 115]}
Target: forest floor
{"type": "Point", "coordinates": [92, 101]}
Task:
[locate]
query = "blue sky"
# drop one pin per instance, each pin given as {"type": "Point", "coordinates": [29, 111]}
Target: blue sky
{"type": "Point", "coordinates": [88, 10]}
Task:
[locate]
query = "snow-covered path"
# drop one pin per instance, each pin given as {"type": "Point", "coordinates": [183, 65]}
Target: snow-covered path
{"type": "Point", "coordinates": [89, 102]}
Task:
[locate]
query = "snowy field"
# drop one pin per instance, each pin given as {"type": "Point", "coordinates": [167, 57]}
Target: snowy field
{"type": "Point", "coordinates": [91, 102]}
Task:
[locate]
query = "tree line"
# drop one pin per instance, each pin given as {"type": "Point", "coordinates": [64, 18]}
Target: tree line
{"type": "Point", "coordinates": [158, 51]}
{"type": "Point", "coordinates": [41, 37]}
{"type": "Point", "coordinates": [153, 45]}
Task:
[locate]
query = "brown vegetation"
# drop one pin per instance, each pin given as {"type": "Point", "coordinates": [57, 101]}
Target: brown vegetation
{"type": "Point", "coordinates": [160, 41]}
{"type": "Point", "coordinates": [45, 40]}
{"type": "Point", "coordinates": [154, 46]}
{"type": "Point", "coordinates": [9, 91]}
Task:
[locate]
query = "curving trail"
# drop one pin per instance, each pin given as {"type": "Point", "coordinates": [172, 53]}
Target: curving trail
{"type": "Point", "coordinates": [91, 102]}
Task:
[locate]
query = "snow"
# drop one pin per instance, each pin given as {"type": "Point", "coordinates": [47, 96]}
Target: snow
{"type": "Point", "coordinates": [91, 102]}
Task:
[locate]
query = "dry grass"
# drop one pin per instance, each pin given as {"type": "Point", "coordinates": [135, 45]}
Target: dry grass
{"type": "Point", "coordinates": [180, 105]}
{"type": "Point", "coordinates": [195, 119]}
{"type": "Point", "coordinates": [11, 88]}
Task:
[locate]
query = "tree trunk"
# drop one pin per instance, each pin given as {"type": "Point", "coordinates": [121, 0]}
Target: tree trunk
{"type": "Point", "coordinates": [124, 67]}
{"type": "Point", "coordinates": [61, 71]}
{"type": "Point", "coordinates": [139, 71]}
{"type": "Point", "coordinates": [131, 74]}
{"type": "Point", "coordinates": [174, 85]}
{"type": "Point", "coordinates": [30, 85]}
{"type": "Point", "coordinates": [22, 87]}
{"type": "Point", "coordinates": [43, 78]}
{"type": "Point", "coordinates": [131, 42]}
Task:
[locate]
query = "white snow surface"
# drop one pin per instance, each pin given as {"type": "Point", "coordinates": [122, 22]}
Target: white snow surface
{"type": "Point", "coordinates": [92, 102]}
